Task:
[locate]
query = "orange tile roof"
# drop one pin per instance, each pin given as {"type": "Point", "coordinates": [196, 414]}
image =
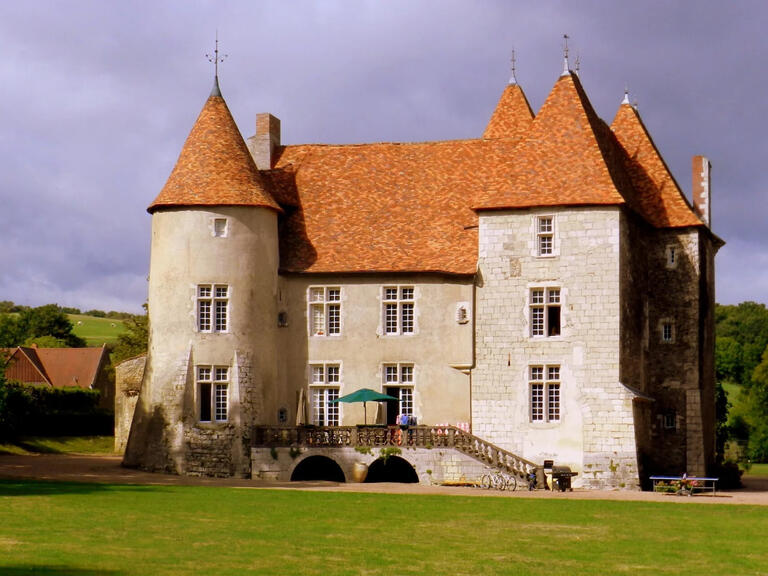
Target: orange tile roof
{"type": "Point", "coordinates": [384, 207]}
{"type": "Point", "coordinates": [410, 207]}
{"type": "Point", "coordinates": [661, 202]}
{"type": "Point", "coordinates": [215, 167]}
{"type": "Point", "coordinates": [512, 117]}
{"type": "Point", "coordinates": [562, 159]}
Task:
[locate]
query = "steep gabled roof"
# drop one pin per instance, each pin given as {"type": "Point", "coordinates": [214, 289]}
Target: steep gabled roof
{"type": "Point", "coordinates": [512, 117]}
{"type": "Point", "coordinates": [214, 167]}
{"type": "Point", "coordinates": [30, 354]}
{"type": "Point", "coordinates": [659, 198]}
{"type": "Point", "coordinates": [565, 159]}
{"type": "Point", "coordinates": [57, 367]}
{"type": "Point", "coordinates": [72, 366]}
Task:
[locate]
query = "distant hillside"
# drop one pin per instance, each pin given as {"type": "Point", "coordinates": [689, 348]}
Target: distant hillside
{"type": "Point", "coordinates": [96, 331]}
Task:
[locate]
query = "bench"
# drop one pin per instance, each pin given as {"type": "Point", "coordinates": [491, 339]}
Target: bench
{"type": "Point", "coordinates": [684, 485]}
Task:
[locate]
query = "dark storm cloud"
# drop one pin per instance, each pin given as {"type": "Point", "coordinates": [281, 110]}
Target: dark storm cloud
{"type": "Point", "coordinates": [98, 98]}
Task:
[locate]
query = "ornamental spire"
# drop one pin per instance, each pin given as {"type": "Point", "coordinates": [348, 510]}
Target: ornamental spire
{"type": "Point", "coordinates": [512, 78]}
{"type": "Point", "coordinates": [566, 71]}
{"type": "Point", "coordinates": [215, 59]}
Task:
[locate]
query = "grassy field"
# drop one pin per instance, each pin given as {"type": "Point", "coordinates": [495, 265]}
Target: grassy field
{"type": "Point", "coordinates": [757, 470]}
{"type": "Point", "coordinates": [96, 331]}
{"type": "Point", "coordinates": [84, 529]}
{"type": "Point", "coordinates": [61, 445]}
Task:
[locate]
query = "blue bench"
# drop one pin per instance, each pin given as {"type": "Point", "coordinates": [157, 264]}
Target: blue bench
{"type": "Point", "coordinates": [692, 484]}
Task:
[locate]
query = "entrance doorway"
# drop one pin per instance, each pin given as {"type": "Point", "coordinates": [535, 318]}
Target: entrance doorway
{"type": "Point", "coordinates": [392, 406]}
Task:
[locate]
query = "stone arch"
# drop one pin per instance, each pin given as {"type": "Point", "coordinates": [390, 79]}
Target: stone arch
{"type": "Point", "coordinates": [318, 468]}
{"type": "Point", "coordinates": [393, 469]}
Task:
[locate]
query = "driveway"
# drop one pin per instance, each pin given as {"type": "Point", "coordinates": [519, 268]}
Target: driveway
{"type": "Point", "coordinates": [107, 469]}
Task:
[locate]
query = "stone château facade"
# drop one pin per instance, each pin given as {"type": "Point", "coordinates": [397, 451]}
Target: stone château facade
{"type": "Point", "coordinates": [547, 285]}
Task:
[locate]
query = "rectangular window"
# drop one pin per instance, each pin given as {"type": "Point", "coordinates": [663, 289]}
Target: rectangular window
{"type": "Point", "coordinates": [220, 227]}
{"type": "Point", "coordinates": [398, 310]}
{"type": "Point", "coordinates": [398, 382]}
{"type": "Point", "coordinates": [544, 383]}
{"type": "Point", "coordinates": [324, 311]}
{"type": "Point", "coordinates": [667, 332]}
{"type": "Point", "coordinates": [213, 393]}
{"type": "Point", "coordinates": [324, 384]}
{"type": "Point", "coordinates": [545, 234]}
{"type": "Point", "coordinates": [545, 311]}
{"type": "Point", "coordinates": [213, 308]}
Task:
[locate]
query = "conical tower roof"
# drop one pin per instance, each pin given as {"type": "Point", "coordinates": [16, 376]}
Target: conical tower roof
{"type": "Point", "coordinates": [512, 117]}
{"type": "Point", "coordinates": [214, 167]}
{"type": "Point", "coordinates": [568, 157]}
{"type": "Point", "coordinates": [659, 198]}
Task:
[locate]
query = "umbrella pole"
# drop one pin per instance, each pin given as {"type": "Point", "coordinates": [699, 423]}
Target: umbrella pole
{"type": "Point", "coordinates": [365, 413]}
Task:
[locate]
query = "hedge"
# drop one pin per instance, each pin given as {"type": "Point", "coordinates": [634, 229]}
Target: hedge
{"type": "Point", "coordinates": [27, 410]}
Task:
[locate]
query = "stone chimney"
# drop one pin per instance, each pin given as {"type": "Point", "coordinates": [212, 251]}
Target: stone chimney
{"type": "Point", "coordinates": [702, 191]}
{"type": "Point", "coordinates": [266, 140]}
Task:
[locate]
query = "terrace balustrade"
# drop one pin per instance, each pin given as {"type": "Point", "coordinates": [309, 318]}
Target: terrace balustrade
{"type": "Point", "coordinates": [405, 436]}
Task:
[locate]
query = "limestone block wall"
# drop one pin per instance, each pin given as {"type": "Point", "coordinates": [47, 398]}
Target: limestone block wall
{"type": "Point", "coordinates": [674, 370]}
{"type": "Point", "coordinates": [432, 466]}
{"type": "Point", "coordinates": [595, 432]}
{"type": "Point", "coordinates": [128, 376]}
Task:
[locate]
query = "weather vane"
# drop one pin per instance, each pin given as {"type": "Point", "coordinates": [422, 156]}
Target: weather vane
{"type": "Point", "coordinates": [215, 59]}
{"type": "Point", "coordinates": [565, 56]}
{"type": "Point", "coordinates": [513, 79]}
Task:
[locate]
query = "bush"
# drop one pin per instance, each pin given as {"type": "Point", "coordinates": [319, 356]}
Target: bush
{"type": "Point", "coordinates": [41, 411]}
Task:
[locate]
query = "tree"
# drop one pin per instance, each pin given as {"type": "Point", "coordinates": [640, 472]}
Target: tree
{"type": "Point", "coordinates": [758, 411]}
{"type": "Point", "coordinates": [134, 341]}
{"type": "Point", "coordinates": [34, 323]}
{"type": "Point", "coordinates": [11, 331]}
{"type": "Point", "coordinates": [742, 335]}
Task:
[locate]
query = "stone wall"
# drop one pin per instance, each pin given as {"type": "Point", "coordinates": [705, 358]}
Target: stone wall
{"type": "Point", "coordinates": [595, 432]}
{"type": "Point", "coordinates": [128, 376]}
{"type": "Point", "coordinates": [432, 466]}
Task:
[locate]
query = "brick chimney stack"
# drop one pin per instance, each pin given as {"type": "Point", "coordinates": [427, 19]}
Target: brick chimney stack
{"type": "Point", "coordinates": [702, 189]}
{"type": "Point", "coordinates": [266, 140]}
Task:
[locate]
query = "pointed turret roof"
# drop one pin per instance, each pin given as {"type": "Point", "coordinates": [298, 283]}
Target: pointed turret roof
{"type": "Point", "coordinates": [568, 157]}
{"type": "Point", "coordinates": [513, 115]}
{"type": "Point", "coordinates": [659, 198]}
{"type": "Point", "coordinates": [214, 167]}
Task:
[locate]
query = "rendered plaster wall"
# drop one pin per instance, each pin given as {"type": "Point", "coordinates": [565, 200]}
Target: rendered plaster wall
{"type": "Point", "coordinates": [186, 253]}
{"type": "Point", "coordinates": [595, 433]}
{"type": "Point", "coordinates": [128, 376]}
{"type": "Point", "coordinates": [440, 349]}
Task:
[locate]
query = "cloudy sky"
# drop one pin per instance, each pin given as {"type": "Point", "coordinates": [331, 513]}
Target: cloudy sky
{"type": "Point", "coordinates": [97, 98]}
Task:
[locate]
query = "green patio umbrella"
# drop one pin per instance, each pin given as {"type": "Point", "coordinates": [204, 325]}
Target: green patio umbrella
{"type": "Point", "coordinates": [364, 395]}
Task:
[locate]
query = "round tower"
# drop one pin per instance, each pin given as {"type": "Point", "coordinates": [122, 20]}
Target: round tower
{"type": "Point", "coordinates": [212, 307]}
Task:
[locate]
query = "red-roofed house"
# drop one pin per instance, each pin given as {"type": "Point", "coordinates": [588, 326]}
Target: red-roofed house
{"type": "Point", "coordinates": [62, 367]}
{"type": "Point", "coordinates": [547, 285]}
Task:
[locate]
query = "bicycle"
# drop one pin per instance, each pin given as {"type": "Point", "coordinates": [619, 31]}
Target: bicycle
{"type": "Point", "coordinates": [498, 481]}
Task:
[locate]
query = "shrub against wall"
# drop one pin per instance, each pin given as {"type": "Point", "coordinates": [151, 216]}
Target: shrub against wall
{"type": "Point", "coordinates": [41, 411]}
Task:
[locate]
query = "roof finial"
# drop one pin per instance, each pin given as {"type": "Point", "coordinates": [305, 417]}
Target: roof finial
{"type": "Point", "coordinates": [626, 95]}
{"type": "Point", "coordinates": [578, 63]}
{"type": "Point", "coordinates": [513, 79]}
{"type": "Point", "coordinates": [566, 72]}
{"type": "Point", "coordinates": [215, 59]}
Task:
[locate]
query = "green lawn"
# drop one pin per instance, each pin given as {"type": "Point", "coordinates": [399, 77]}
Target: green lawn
{"type": "Point", "coordinates": [757, 470]}
{"type": "Point", "coordinates": [96, 331]}
{"type": "Point", "coordinates": [89, 529]}
{"type": "Point", "coordinates": [61, 445]}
